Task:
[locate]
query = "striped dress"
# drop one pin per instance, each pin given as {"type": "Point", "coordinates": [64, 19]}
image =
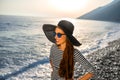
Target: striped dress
{"type": "Point", "coordinates": [56, 56]}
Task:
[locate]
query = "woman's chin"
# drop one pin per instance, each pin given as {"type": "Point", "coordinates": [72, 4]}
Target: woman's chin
{"type": "Point", "coordinates": [58, 44]}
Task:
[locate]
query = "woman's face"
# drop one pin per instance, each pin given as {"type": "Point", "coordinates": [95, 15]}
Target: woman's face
{"type": "Point", "coordinates": [60, 36]}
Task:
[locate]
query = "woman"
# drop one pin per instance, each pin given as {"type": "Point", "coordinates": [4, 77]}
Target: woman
{"type": "Point", "coordinates": [63, 55]}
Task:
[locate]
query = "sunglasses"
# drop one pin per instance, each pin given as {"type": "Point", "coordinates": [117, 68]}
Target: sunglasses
{"type": "Point", "coordinates": [59, 35]}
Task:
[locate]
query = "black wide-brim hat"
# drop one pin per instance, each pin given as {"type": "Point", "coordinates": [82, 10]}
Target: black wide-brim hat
{"type": "Point", "coordinates": [66, 26]}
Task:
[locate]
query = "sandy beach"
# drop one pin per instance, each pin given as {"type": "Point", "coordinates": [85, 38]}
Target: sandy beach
{"type": "Point", "coordinates": [107, 61]}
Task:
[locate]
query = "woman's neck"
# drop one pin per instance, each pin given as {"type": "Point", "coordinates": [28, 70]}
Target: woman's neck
{"type": "Point", "coordinates": [62, 46]}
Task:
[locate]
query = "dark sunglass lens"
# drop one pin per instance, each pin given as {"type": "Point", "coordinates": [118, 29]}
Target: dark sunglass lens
{"type": "Point", "coordinates": [59, 35]}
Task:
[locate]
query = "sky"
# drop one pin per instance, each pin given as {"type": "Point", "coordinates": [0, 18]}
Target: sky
{"type": "Point", "coordinates": [50, 8]}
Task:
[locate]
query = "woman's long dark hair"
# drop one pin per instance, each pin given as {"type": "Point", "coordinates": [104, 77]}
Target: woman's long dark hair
{"type": "Point", "coordinates": [66, 69]}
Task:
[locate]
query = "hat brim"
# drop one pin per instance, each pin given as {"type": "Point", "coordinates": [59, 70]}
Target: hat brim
{"type": "Point", "coordinates": [49, 31]}
{"type": "Point", "coordinates": [74, 41]}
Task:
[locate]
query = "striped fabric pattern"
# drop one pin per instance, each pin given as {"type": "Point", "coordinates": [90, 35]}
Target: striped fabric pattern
{"type": "Point", "coordinates": [56, 56]}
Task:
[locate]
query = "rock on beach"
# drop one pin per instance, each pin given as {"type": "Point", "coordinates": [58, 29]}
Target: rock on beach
{"type": "Point", "coordinates": [107, 61]}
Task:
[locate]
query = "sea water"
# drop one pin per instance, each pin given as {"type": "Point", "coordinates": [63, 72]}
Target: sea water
{"type": "Point", "coordinates": [24, 48]}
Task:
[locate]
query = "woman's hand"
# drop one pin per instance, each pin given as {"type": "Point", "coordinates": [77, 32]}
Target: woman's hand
{"type": "Point", "coordinates": [86, 76]}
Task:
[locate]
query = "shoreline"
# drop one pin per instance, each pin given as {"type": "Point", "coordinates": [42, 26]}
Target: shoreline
{"type": "Point", "coordinates": [107, 61]}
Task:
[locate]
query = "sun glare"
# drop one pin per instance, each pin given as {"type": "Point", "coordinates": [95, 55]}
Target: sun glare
{"type": "Point", "coordinates": [68, 5]}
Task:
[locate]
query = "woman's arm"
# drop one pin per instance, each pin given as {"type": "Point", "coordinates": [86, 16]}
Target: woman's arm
{"type": "Point", "coordinates": [51, 56]}
{"type": "Point", "coordinates": [51, 64]}
{"type": "Point", "coordinates": [86, 76]}
{"type": "Point", "coordinates": [86, 65]}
